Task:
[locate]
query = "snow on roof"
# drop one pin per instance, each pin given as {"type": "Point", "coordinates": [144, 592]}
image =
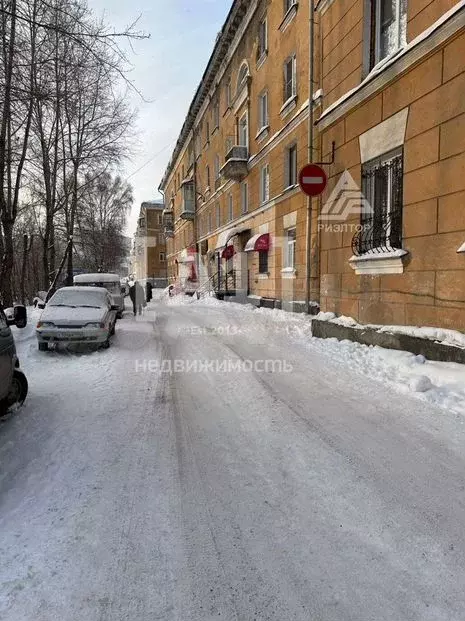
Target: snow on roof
{"type": "Point", "coordinates": [97, 278]}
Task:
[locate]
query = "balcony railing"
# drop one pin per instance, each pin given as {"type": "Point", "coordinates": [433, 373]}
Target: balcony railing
{"type": "Point", "coordinates": [236, 164]}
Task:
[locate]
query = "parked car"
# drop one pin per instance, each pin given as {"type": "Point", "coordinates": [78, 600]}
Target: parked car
{"type": "Point", "coordinates": [77, 315]}
{"type": "Point", "coordinates": [13, 382]}
{"type": "Point", "coordinates": [111, 282]}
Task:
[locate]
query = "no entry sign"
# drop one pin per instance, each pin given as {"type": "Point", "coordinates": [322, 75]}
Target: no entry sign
{"type": "Point", "coordinates": [312, 180]}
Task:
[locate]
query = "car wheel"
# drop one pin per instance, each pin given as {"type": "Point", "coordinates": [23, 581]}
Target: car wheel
{"type": "Point", "coordinates": [19, 388]}
{"type": "Point", "coordinates": [106, 344]}
{"type": "Point", "coordinates": [112, 329]}
{"type": "Point", "coordinates": [43, 346]}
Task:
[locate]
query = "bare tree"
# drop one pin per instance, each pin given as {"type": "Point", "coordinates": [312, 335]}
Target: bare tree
{"type": "Point", "coordinates": [101, 220]}
{"type": "Point", "coordinates": [64, 121]}
{"type": "Point", "coordinates": [18, 42]}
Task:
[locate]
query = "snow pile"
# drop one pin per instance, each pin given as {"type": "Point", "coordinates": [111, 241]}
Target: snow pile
{"type": "Point", "coordinates": [439, 335]}
{"type": "Point", "coordinates": [439, 383]}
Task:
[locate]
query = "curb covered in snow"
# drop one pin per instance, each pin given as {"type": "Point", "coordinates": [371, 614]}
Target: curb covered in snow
{"type": "Point", "coordinates": [430, 349]}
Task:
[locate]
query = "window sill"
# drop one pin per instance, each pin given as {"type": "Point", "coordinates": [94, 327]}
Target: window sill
{"type": "Point", "coordinates": [288, 106]}
{"type": "Point", "coordinates": [289, 272]}
{"type": "Point", "coordinates": [215, 130]}
{"type": "Point", "coordinates": [261, 59]}
{"type": "Point", "coordinates": [262, 133]}
{"type": "Point", "coordinates": [263, 276]}
{"type": "Point", "coordinates": [380, 64]}
{"type": "Point", "coordinates": [291, 187]}
{"type": "Point", "coordinates": [373, 263]}
{"type": "Point", "coordinates": [289, 16]}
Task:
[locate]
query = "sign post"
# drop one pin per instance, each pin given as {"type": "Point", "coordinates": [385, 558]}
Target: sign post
{"type": "Point", "coordinates": [312, 180]}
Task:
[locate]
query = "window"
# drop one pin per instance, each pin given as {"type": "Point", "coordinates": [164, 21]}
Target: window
{"type": "Point", "coordinates": [244, 197]}
{"type": "Point", "coordinates": [162, 257]}
{"type": "Point", "coordinates": [210, 227]}
{"type": "Point", "coordinates": [216, 115]}
{"type": "Point", "coordinates": [230, 208]}
{"type": "Point", "coordinates": [263, 262]}
{"type": "Point", "coordinates": [207, 132]}
{"type": "Point", "coordinates": [289, 249]}
{"type": "Point", "coordinates": [207, 173]}
{"type": "Point", "coordinates": [228, 145]}
{"type": "Point", "coordinates": [263, 110]}
{"type": "Point", "coordinates": [218, 215]}
{"type": "Point", "coordinates": [382, 186]}
{"type": "Point", "coordinates": [388, 28]}
{"type": "Point", "coordinates": [291, 166]}
{"type": "Point", "coordinates": [262, 47]}
{"type": "Point", "coordinates": [244, 131]}
{"type": "Point", "coordinates": [242, 77]}
{"type": "Point", "coordinates": [265, 184]}
{"type": "Point", "coordinates": [290, 84]}
{"type": "Point", "coordinates": [228, 93]}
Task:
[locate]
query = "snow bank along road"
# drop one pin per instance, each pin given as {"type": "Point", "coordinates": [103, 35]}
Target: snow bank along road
{"type": "Point", "coordinates": [130, 494]}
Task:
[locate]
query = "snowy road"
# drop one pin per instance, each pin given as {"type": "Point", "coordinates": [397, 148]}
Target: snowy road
{"type": "Point", "coordinates": [130, 494]}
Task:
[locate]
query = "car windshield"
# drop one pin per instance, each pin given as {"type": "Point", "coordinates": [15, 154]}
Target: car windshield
{"type": "Point", "coordinates": [77, 299]}
{"type": "Point", "coordinates": [111, 287]}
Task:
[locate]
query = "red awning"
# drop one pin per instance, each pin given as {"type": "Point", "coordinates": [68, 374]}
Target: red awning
{"type": "Point", "coordinates": [258, 242]}
{"type": "Point", "coordinates": [228, 252]}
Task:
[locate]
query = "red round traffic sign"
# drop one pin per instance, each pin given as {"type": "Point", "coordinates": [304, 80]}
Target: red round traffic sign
{"type": "Point", "coordinates": [312, 180]}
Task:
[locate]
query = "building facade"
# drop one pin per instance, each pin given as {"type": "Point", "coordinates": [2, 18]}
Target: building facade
{"type": "Point", "coordinates": [384, 243]}
{"type": "Point", "coordinates": [393, 79]}
{"type": "Point", "coordinates": [232, 182]}
{"type": "Point", "coordinates": [149, 250]}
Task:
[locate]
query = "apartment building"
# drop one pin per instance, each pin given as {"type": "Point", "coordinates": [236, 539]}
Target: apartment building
{"type": "Point", "coordinates": [387, 237]}
{"type": "Point", "coordinates": [393, 84]}
{"type": "Point", "coordinates": [235, 212]}
{"type": "Point", "coordinates": [149, 250]}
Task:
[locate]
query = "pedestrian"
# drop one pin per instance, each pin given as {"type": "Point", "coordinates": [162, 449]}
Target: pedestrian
{"type": "Point", "coordinates": [132, 295]}
{"type": "Point", "coordinates": [148, 288]}
{"type": "Point", "coordinates": [139, 298]}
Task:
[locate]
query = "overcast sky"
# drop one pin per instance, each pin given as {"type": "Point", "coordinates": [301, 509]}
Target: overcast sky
{"type": "Point", "coordinates": [167, 70]}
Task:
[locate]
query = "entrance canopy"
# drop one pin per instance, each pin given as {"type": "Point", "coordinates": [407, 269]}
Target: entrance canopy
{"type": "Point", "coordinates": [258, 242]}
{"type": "Point", "coordinates": [225, 236]}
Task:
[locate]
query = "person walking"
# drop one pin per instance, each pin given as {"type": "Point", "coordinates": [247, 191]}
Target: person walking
{"type": "Point", "coordinates": [139, 298]}
{"type": "Point", "coordinates": [148, 288]}
{"type": "Point", "coordinates": [132, 295]}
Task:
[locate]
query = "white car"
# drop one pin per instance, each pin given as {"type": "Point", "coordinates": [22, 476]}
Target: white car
{"type": "Point", "coordinates": [77, 315]}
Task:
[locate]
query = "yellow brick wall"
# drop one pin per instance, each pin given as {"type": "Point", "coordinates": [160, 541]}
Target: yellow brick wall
{"type": "Point", "coordinates": [431, 291]}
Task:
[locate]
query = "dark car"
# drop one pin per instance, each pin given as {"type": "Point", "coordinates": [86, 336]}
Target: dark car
{"type": "Point", "coordinates": [13, 382]}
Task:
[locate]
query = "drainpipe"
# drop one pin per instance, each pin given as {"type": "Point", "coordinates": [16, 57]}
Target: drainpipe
{"type": "Point", "coordinates": [310, 151]}
{"type": "Point", "coordinates": [162, 192]}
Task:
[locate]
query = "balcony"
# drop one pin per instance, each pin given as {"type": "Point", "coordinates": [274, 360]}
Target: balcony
{"type": "Point", "coordinates": [188, 200]}
{"type": "Point", "coordinates": [236, 167]}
